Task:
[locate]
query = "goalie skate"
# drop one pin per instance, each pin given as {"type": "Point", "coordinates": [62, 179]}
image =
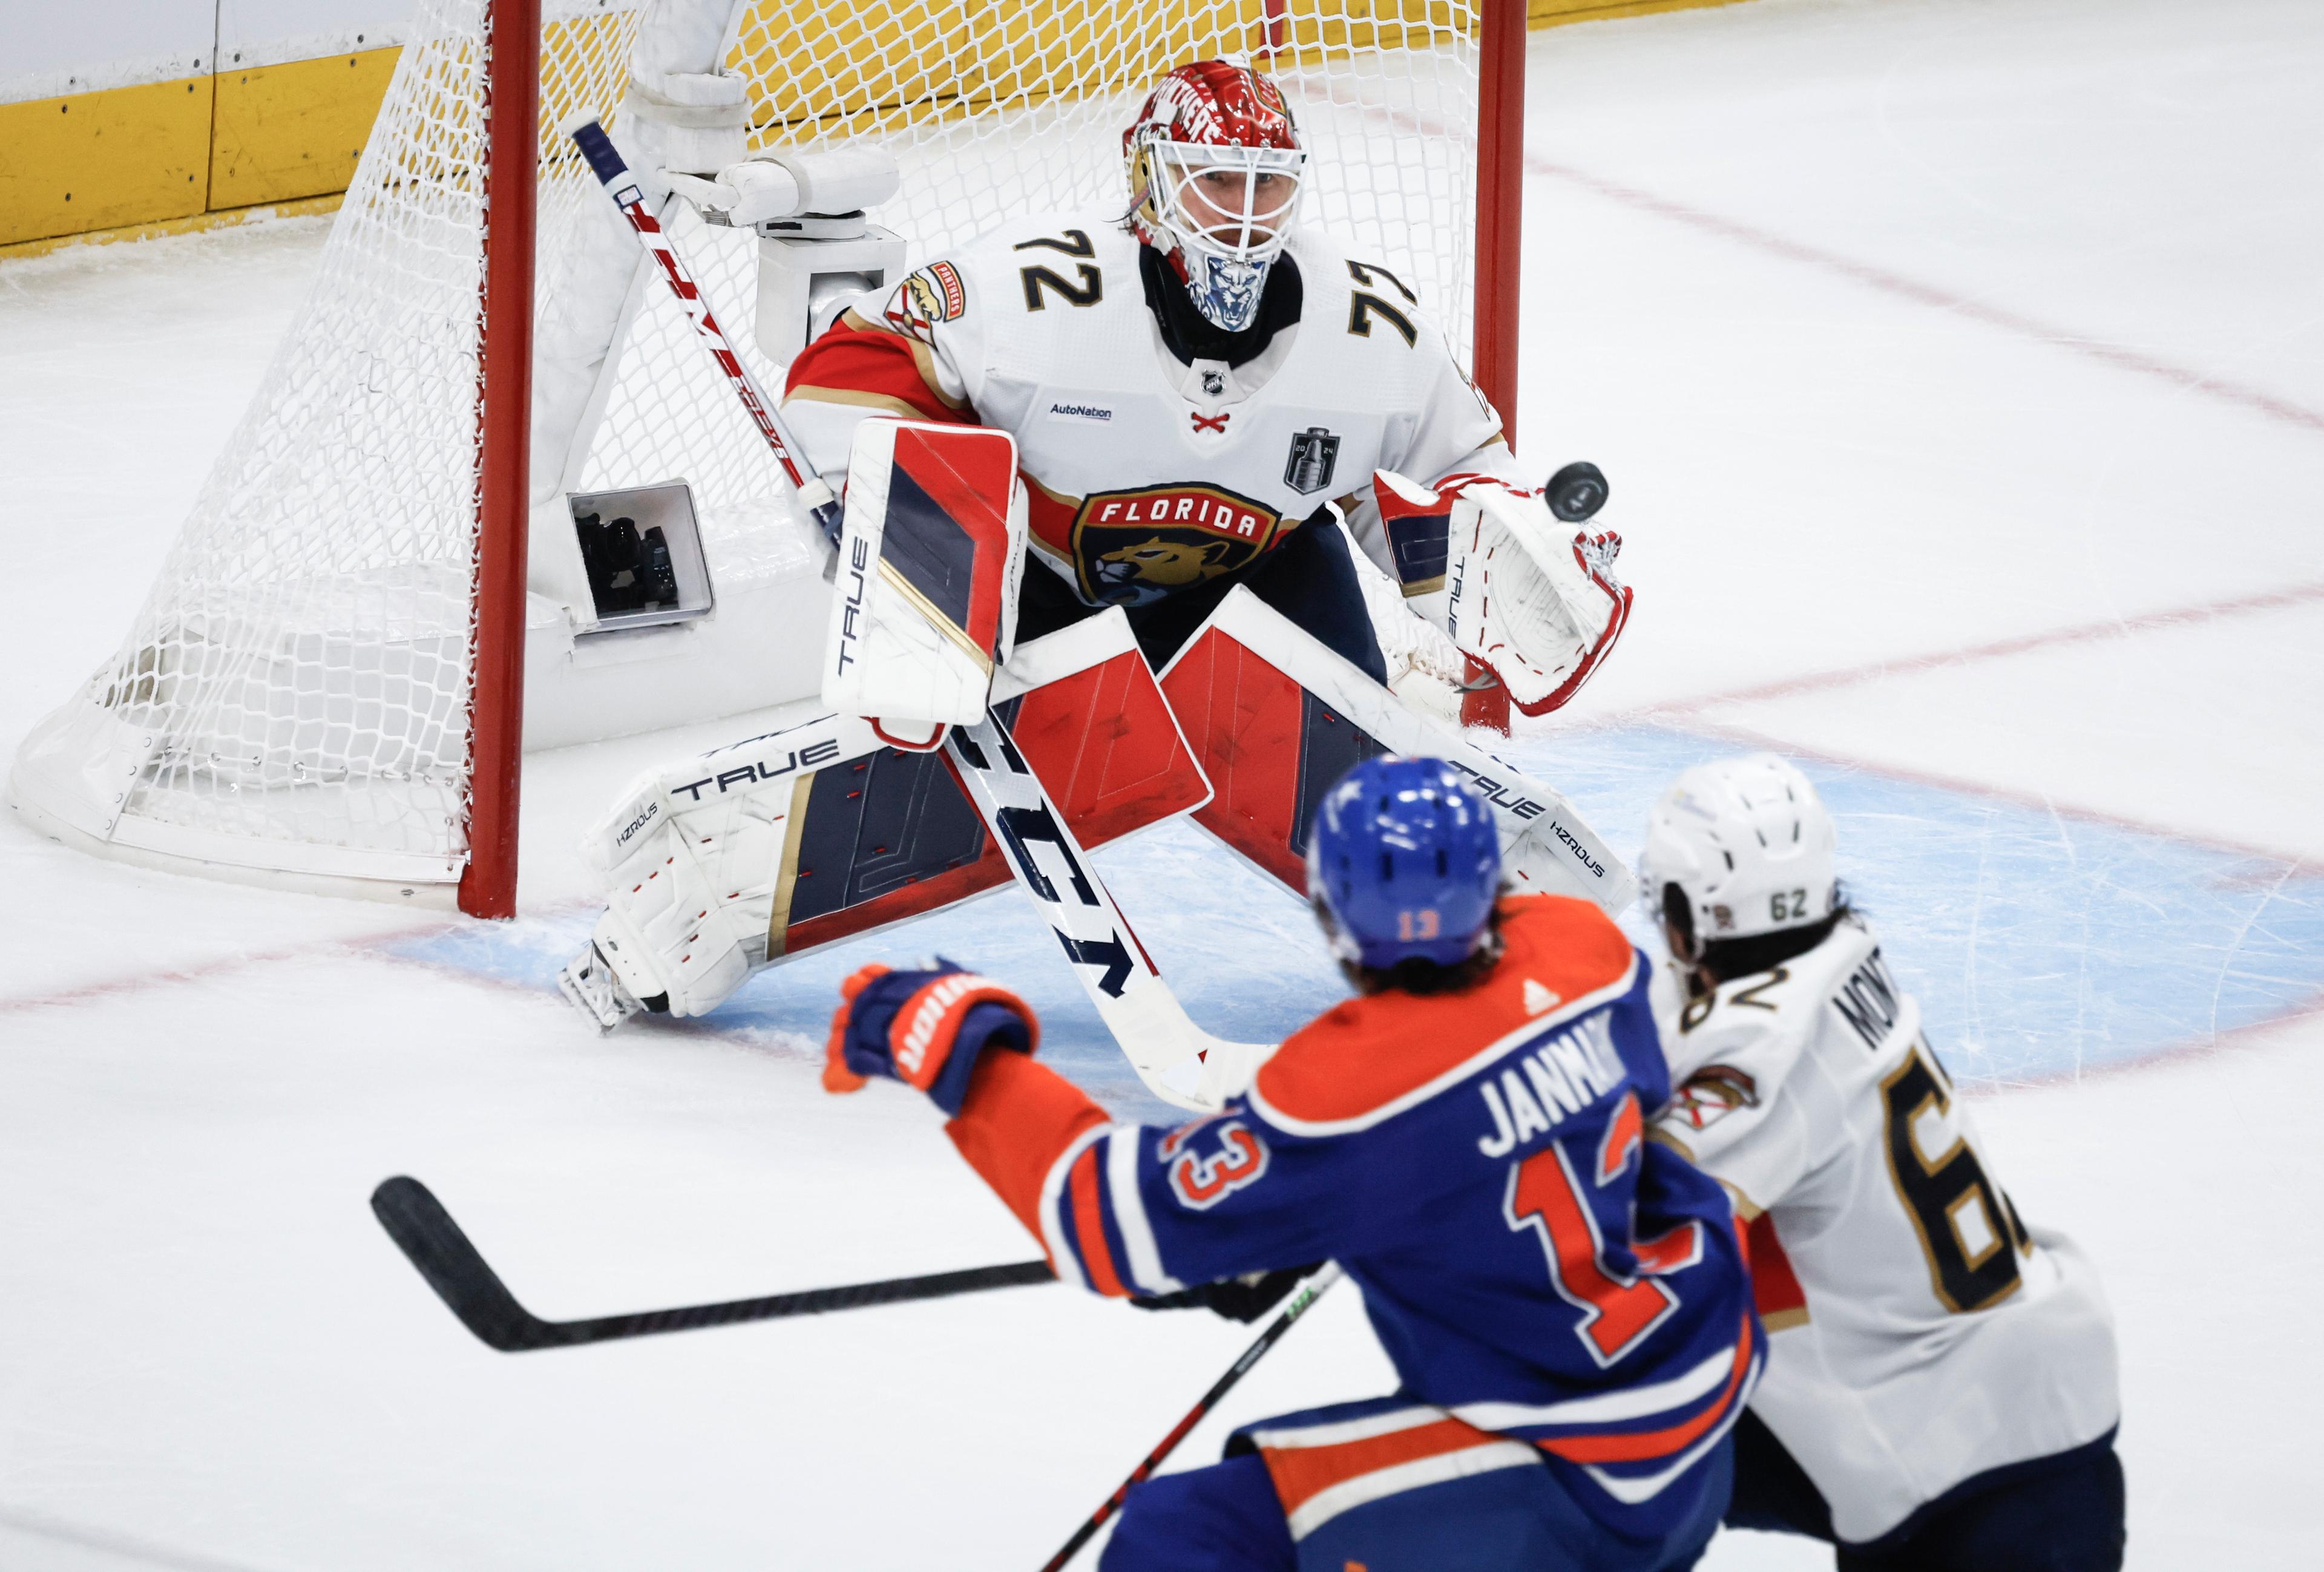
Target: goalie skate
{"type": "Point", "coordinates": [595, 989]}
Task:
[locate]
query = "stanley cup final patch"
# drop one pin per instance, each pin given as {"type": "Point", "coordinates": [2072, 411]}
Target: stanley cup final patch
{"type": "Point", "coordinates": [1314, 454]}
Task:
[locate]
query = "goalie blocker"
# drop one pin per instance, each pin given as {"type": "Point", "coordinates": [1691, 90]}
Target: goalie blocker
{"type": "Point", "coordinates": [925, 601]}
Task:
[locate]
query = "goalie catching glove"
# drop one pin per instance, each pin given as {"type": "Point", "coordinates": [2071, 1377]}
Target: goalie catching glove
{"type": "Point", "coordinates": [924, 1028]}
{"type": "Point", "coordinates": [1533, 599]}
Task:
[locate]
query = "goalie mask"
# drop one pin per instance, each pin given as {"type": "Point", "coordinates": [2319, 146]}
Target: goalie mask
{"type": "Point", "coordinates": [1216, 167]}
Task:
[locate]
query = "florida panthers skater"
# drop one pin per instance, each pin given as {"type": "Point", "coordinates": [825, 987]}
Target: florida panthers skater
{"type": "Point", "coordinates": [1191, 383]}
{"type": "Point", "coordinates": [1940, 1394]}
{"type": "Point", "coordinates": [1564, 1302]}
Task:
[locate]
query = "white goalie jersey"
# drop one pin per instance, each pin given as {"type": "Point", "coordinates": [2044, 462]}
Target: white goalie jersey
{"type": "Point", "coordinates": [1921, 1333]}
{"type": "Point", "coordinates": [1148, 475]}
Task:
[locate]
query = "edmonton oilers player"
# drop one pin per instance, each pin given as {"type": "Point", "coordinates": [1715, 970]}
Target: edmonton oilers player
{"type": "Point", "coordinates": [1564, 1302]}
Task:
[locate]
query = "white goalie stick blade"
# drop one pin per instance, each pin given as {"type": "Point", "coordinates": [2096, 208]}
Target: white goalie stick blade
{"type": "Point", "coordinates": [1178, 1061]}
{"type": "Point", "coordinates": [1275, 718]}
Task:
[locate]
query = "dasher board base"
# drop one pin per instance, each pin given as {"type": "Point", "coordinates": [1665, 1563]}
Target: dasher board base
{"type": "Point", "coordinates": [439, 892]}
{"type": "Point", "coordinates": [760, 645]}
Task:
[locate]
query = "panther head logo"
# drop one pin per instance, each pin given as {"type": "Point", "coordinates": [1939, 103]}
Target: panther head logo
{"type": "Point", "coordinates": [1162, 564]}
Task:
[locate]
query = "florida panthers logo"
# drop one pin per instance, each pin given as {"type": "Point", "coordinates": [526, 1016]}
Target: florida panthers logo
{"type": "Point", "coordinates": [1172, 565]}
{"type": "Point", "coordinates": [931, 296]}
{"type": "Point", "coordinates": [1132, 548]}
{"type": "Point", "coordinates": [1713, 1092]}
{"type": "Point", "coordinates": [1200, 1178]}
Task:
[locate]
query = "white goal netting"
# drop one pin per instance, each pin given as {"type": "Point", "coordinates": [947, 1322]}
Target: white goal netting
{"type": "Point", "coordinates": [294, 694]}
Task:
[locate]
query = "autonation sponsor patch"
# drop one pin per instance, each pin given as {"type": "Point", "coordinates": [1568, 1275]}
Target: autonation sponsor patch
{"type": "Point", "coordinates": [1091, 414]}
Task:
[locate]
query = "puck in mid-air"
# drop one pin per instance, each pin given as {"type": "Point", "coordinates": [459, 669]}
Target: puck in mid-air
{"type": "Point", "coordinates": [1576, 491]}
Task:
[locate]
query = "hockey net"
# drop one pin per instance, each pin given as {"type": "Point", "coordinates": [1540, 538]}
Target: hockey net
{"type": "Point", "coordinates": [294, 701]}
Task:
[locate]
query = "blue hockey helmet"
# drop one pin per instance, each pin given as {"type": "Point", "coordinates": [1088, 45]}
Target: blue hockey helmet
{"type": "Point", "coordinates": [1403, 862]}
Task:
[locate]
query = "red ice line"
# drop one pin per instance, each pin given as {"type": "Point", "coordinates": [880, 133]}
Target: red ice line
{"type": "Point", "coordinates": [363, 944]}
{"type": "Point", "coordinates": [2113, 628]}
{"type": "Point", "coordinates": [1689, 713]}
{"type": "Point", "coordinates": [198, 971]}
{"type": "Point", "coordinates": [1897, 284]}
{"type": "Point", "coordinates": [1908, 288]}
{"type": "Point", "coordinates": [2202, 1047]}
{"type": "Point", "coordinates": [2289, 864]}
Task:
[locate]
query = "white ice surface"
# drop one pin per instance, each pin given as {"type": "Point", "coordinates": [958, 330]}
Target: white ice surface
{"type": "Point", "coordinates": [1905, 329]}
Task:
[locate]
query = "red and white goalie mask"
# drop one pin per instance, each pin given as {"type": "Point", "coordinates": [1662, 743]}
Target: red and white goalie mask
{"type": "Point", "coordinates": [1215, 170]}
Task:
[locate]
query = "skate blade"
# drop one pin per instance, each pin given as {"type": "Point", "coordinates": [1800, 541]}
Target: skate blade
{"type": "Point", "coordinates": [588, 982]}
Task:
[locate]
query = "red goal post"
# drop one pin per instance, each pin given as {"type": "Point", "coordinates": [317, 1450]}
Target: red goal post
{"type": "Point", "coordinates": [504, 455]}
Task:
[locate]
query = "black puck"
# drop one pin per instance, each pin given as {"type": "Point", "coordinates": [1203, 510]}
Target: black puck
{"type": "Point", "coordinates": [1577, 490]}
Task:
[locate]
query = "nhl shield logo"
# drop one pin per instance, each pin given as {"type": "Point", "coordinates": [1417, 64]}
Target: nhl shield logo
{"type": "Point", "coordinates": [1314, 454]}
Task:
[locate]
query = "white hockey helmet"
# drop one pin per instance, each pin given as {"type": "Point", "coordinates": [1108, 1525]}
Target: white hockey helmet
{"type": "Point", "coordinates": [1748, 843]}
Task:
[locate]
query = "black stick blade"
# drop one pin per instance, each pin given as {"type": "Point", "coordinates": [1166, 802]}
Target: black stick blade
{"type": "Point", "coordinates": [428, 1238]}
{"type": "Point", "coordinates": [433, 1243]}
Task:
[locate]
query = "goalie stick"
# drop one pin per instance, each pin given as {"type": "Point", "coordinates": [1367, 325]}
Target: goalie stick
{"type": "Point", "coordinates": [1140, 1010]}
{"type": "Point", "coordinates": [1301, 1303]}
{"type": "Point", "coordinates": [614, 175]}
{"type": "Point", "coordinates": [433, 1243]}
{"type": "Point", "coordinates": [1178, 1061]}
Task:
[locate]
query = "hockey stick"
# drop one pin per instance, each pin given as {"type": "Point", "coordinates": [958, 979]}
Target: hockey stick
{"type": "Point", "coordinates": [1301, 1303]}
{"type": "Point", "coordinates": [614, 175]}
{"type": "Point", "coordinates": [433, 1243]}
{"type": "Point", "coordinates": [1179, 1062]}
{"type": "Point", "coordinates": [1145, 1017]}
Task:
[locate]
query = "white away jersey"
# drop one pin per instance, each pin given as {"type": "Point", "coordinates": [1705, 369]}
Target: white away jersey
{"type": "Point", "coordinates": [1930, 1336]}
{"type": "Point", "coordinates": [1148, 475]}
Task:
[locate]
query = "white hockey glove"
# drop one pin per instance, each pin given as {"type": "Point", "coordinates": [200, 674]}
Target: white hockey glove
{"type": "Point", "coordinates": [1529, 596]}
{"type": "Point", "coordinates": [783, 185]}
{"type": "Point", "coordinates": [691, 860]}
{"type": "Point", "coordinates": [924, 607]}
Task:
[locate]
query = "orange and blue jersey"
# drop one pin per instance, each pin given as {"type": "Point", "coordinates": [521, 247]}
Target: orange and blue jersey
{"type": "Point", "coordinates": [1537, 1270]}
